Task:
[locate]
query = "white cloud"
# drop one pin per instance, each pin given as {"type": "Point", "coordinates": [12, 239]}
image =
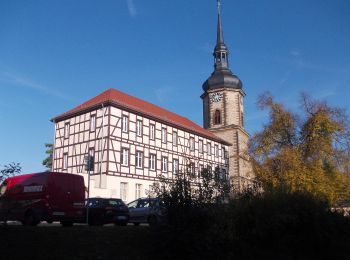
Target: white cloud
{"type": "Point", "coordinates": [27, 83]}
{"type": "Point", "coordinates": [131, 8]}
{"type": "Point", "coordinates": [164, 94]}
{"type": "Point", "coordinates": [295, 53]}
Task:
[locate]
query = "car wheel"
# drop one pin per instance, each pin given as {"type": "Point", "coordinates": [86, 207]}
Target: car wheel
{"type": "Point", "coordinates": [67, 223]}
{"type": "Point", "coordinates": [152, 221]}
{"type": "Point", "coordinates": [100, 220]}
{"type": "Point", "coordinates": [30, 219]}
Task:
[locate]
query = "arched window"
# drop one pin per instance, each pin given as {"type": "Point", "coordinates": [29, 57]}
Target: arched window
{"type": "Point", "coordinates": [217, 117]}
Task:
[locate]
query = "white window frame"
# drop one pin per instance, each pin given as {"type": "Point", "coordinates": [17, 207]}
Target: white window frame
{"type": "Point", "coordinates": [152, 129]}
{"type": "Point", "coordinates": [164, 135]}
{"type": "Point", "coordinates": [125, 123]}
{"type": "Point", "coordinates": [200, 169]}
{"type": "Point", "coordinates": [124, 191]}
{"type": "Point", "coordinates": [174, 138]}
{"type": "Point", "coordinates": [200, 146]}
{"type": "Point", "coordinates": [139, 127]}
{"type": "Point", "coordinates": [164, 164]}
{"type": "Point", "coordinates": [66, 130]}
{"type": "Point", "coordinates": [92, 123]}
{"type": "Point", "coordinates": [139, 159]}
{"type": "Point", "coordinates": [124, 156]}
{"type": "Point", "coordinates": [65, 161]}
{"type": "Point", "coordinates": [209, 148]}
{"type": "Point", "coordinates": [152, 161]}
{"type": "Point", "coordinates": [175, 166]}
{"type": "Point", "coordinates": [216, 150]}
{"type": "Point", "coordinates": [192, 146]}
{"type": "Point", "coordinates": [138, 190]}
{"type": "Point", "coordinates": [92, 155]}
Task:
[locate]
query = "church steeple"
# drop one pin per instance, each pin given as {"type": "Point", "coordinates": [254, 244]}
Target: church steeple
{"type": "Point", "coordinates": [220, 51]}
{"type": "Point", "coordinates": [222, 77]}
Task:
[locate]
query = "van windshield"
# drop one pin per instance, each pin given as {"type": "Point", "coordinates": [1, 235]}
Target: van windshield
{"type": "Point", "coordinates": [3, 188]}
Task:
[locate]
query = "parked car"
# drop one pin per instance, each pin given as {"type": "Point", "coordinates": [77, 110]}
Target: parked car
{"type": "Point", "coordinates": [147, 210]}
{"type": "Point", "coordinates": [107, 210]}
{"type": "Point", "coordinates": [47, 196]}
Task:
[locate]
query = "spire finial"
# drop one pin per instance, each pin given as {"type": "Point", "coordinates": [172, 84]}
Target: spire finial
{"type": "Point", "coordinates": [220, 34]}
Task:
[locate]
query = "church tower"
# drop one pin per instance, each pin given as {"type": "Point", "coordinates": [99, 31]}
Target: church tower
{"type": "Point", "coordinates": [223, 110]}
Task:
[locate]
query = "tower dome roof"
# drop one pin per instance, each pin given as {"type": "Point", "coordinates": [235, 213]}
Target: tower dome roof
{"type": "Point", "coordinates": [222, 78]}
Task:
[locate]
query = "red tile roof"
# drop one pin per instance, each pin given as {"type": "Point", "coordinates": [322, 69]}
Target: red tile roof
{"type": "Point", "coordinates": [138, 106]}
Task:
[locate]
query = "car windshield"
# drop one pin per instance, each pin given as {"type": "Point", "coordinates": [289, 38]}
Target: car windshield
{"type": "Point", "coordinates": [115, 202]}
{"type": "Point", "coordinates": [143, 204]}
{"type": "Point", "coordinates": [94, 203]}
{"type": "Point", "coordinates": [133, 204]}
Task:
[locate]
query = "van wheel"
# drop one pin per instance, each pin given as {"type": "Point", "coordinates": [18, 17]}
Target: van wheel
{"type": "Point", "coordinates": [67, 223]}
{"type": "Point", "coordinates": [29, 219]}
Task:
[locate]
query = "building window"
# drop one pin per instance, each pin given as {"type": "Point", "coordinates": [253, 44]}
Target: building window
{"type": "Point", "coordinates": [125, 124]}
{"type": "Point", "coordinates": [209, 148]}
{"type": "Point", "coordinates": [209, 168]}
{"type": "Point", "coordinates": [200, 170]}
{"type": "Point", "coordinates": [191, 169]}
{"type": "Point", "coordinates": [65, 161]}
{"type": "Point", "coordinates": [151, 131]}
{"type": "Point", "coordinates": [224, 174]}
{"type": "Point", "coordinates": [192, 144]}
{"type": "Point", "coordinates": [90, 164]}
{"type": "Point", "coordinates": [175, 166]}
{"type": "Point", "coordinates": [164, 134]}
{"type": "Point", "coordinates": [164, 164]}
{"type": "Point", "coordinates": [138, 190]}
{"type": "Point", "coordinates": [223, 153]}
{"type": "Point", "coordinates": [175, 138]}
{"type": "Point", "coordinates": [200, 146]}
{"type": "Point", "coordinates": [217, 117]}
{"type": "Point", "coordinates": [92, 123]}
{"type": "Point", "coordinates": [66, 130]}
{"type": "Point", "coordinates": [152, 162]}
{"type": "Point", "coordinates": [124, 157]}
{"type": "Point", "coordinates": [216, 151]}
{"type": "Point", "coordinates": [139, 159]}
{"type": "Point", "coordinates": [149, 191]}
{"type": "Point", "coordinates": [124, 191]}
{"type": "Point", "coordinates": [139, 128]}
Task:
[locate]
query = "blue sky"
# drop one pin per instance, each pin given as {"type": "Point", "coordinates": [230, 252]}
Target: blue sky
{"type": "Point", "coordinates": [56, 54]}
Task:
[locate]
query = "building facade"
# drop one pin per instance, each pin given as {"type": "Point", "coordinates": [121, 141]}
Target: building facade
{"type": "Point", "coordinates": [133, 142]}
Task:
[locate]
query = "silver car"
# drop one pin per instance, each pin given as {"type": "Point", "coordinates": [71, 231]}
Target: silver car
{"type": "Point", "coordinates": [146, 210]}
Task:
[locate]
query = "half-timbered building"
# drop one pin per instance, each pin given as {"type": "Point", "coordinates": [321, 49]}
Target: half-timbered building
{"type": "Point", "coordinates": [132, 143]}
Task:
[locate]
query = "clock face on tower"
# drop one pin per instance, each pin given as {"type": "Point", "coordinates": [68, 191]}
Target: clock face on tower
{"type": "Point", "coordinates": [216, 97]}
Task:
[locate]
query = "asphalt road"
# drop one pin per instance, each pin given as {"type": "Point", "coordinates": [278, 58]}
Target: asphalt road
{"type": "Point", "coordinates": [57, 224]}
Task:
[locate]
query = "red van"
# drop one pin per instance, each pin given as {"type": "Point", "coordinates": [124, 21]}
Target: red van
{"type": "Point", "coordinates": [47, 196]}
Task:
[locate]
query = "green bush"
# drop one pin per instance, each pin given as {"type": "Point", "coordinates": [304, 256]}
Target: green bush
{"type": "Point", "coordinates": [251, 226]}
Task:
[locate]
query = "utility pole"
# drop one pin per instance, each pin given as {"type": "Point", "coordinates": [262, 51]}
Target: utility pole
{"type": "Point", "coordinates": [89, 166]}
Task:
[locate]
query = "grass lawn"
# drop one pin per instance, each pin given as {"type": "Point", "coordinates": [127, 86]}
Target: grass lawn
{"type": "Point", "coordinates": [77, 242]}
